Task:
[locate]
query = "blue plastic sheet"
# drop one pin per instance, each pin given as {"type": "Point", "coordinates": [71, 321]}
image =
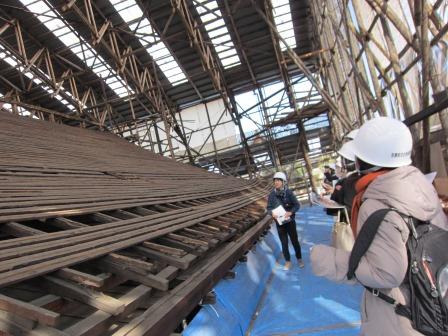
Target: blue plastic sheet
{"type": "Point", "coordinates": [264, 300]}
{"type": "Point", "coordinates": [237, 298]}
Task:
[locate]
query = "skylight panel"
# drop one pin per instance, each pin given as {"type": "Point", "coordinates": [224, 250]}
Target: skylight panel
{"type": "Point", "coordinates": [131, 13]}
{"type": "Point", "coordinates": [281, 11]}
{"type": "Point", "coordinates": [13, 62]}
{"type": "Point", "coordinates": [66, 34]}
{"type": "Point", "coordinates": [217, 32]}
{"type": "Point", "coordinates": [22, 111]}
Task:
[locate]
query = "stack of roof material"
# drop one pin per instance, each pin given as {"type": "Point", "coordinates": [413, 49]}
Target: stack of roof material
{"type": "Point", "coordinates": [101, 237]}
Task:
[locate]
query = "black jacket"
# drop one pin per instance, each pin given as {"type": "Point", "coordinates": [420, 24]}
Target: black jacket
{"type": "Point", "coordinates": [286, 198]}
{"type": "Point", "coordinates": [344, 193]}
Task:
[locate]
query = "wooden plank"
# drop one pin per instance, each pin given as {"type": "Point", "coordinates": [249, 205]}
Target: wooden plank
{"type": "Point", "coordinates": [99, 247]}
{"type": "Point", "coordinates": [28, 311]}
{"type": "Point", "coordinates": [111, 281]}
{"type": "Point", "coordinates": [163, 317]}
{"type": "Point", "coordinates": [95, 324]}
{"type": "Point", "coordinates": [164, 249]}
{"type": "Point", "coordinates": [149, 280]}
{"type": "Point", "coordinates": [82, 278]}
{"type": "Point", "coordinates": [49, 301]}
{"type": "Point", "coordinates": [218, 223]}
{"type": "Point", "coordinates": [128, 263]}
{"type": "Point", "coordinates": [99, 322]}
{"type": "Point", "coordinates": [24, 323]}
{"type": "Point", "coordinates": [20, 230]}
{"type": "Point", "coordinates": [187, 240]}
{"type": "Point", "coordinates": [182, 262]}
{"type": "Point", "coordinates": [208, 227]}
{"type": "Point", "coordinates": [168, 273]}
{"type": "Point", "coordinates": [196, 250]}
{"type": "Point", "coordinates": [14, 329]}
{"type": "Point", "coordinates": [85, 295]}
{"type": "Point", "coordinates": [199, 233]}
{"type": "Point", "coordinates": [135, 298]}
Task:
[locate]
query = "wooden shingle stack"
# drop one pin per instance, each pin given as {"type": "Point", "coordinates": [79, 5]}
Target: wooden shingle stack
{"type": "Point", "coordinates": [100, 237]}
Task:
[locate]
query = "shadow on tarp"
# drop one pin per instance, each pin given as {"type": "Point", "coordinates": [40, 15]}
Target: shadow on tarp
{"type": "Point", "coordinates": [290, 303]}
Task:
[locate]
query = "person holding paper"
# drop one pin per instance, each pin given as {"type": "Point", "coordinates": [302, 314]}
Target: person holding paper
{"type": "Point", "coordinates": [283, 205]}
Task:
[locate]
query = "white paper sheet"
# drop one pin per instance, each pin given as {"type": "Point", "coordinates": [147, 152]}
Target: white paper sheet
{"type": "Point", "coordinates": [280, 212]}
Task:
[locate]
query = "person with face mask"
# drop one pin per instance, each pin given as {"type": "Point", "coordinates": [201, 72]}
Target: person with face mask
{"type": "Point", "coordinates": [382, 150]}
{"type": "Point", "coordinates": [283, 196]}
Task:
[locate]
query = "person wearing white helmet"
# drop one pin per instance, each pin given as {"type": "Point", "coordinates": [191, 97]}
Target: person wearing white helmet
{"type": "Point", "coordinates": [330, 178]}
{"type": "Point", "coordinates": [283, 196]}
{"type": "Point", "coordinates": [344, 190]}
{"type": "Point", "coordinates": [382, 150]}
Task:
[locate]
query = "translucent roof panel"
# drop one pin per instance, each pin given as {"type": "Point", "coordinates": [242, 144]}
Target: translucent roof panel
{"type": "Point", "coordinates": [6, 56]}
{"type": "Point", "coordinates": [281, 11]}
{"type": "Point", "coordinates": [83, 50]}
{"type": "Point", "coordinates": [131, 13]}
{"type": "Point", "coordinates": [217, 31]}
{"type": "Point", "coordinates": [22, 111]}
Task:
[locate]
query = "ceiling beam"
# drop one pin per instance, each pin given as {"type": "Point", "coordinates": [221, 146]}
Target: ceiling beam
{"type": "Point", "coordinates": [213, 67]}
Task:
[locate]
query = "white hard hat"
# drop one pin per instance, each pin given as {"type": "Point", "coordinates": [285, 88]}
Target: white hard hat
{"type": "Point", "coordinates": [347, 150]}
{"type": "Point", "coordinates": [384, 142]}
{"type": "Point", "coordinates": [352, 134]}
{"type": "Point", "coordinates": [280, 176]}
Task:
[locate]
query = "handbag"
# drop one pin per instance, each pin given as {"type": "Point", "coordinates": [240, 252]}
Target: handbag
{"type": "Point", "coordinates": [342, 235]}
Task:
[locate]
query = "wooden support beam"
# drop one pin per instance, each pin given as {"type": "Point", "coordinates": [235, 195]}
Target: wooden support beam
{"type": "Point", "coordinates": [28, 311]}
{"type": "Point", "coordinates": [149, 280]}
{"type": "Point", "coordinates": [49, 301]}
{"type": "Point", "coordinates": [99, 322]}
{"type": "Point", "coordinates": [13, 328]}
{"type": "Point", "coordinates": [81, 278]}
{"type": "Point", "coordinates": [88, 296]}
{"type": "Point", "coordinates": [181, 262]}
{"type": "Point", "coordinates": [161, 318]}
{"type": "Point", "coordinates": [164, 249]}
{"type": "Point", "coordinates": [136, 265]}
{"type": "Point", "coordinates": [188, 240]}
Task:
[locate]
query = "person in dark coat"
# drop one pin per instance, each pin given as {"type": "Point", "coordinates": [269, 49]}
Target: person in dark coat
{"type": "Point", "coordinates": [344, 190]}
{"type": "Point", "coordinates": [283, 196]}
{"type": "Point", "coordinates": [330, 175]}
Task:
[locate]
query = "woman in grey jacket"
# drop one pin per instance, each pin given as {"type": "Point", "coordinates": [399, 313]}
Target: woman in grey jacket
{"type": "Point", "coordinates": [383, 154]}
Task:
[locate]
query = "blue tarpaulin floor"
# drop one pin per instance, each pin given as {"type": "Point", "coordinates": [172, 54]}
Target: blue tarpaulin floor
{"type": "Point", "coordinates": [266, 300]}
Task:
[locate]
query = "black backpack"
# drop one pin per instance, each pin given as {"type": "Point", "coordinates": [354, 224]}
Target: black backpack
{"type": "Point", "coordinates": [427, 248]}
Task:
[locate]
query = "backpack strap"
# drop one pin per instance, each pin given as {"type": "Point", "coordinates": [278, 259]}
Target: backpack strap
{"type": "Point", "coordinates": [364, 239]}
{"type": "Point", "coordinates": [362, 244]}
